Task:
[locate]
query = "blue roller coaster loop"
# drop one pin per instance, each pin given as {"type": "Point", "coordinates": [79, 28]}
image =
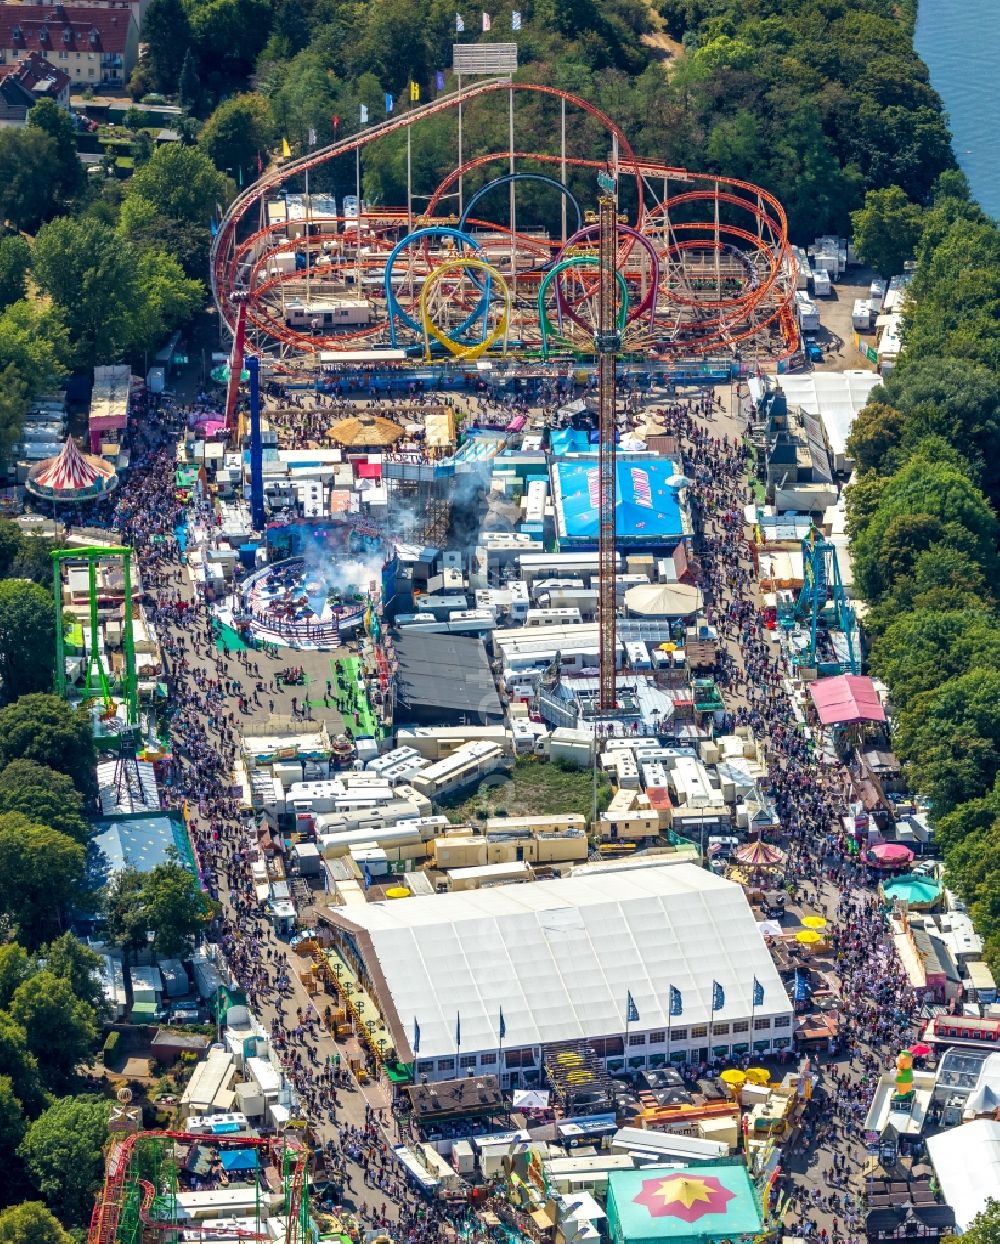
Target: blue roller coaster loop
{"type": "Point", "coordinates": [511, 178]}
{"type": "Point", "coordinates": [397, 312]}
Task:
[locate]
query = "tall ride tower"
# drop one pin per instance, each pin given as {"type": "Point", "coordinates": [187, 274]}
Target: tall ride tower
{"type": "Point", "coordinates": [608, 343]}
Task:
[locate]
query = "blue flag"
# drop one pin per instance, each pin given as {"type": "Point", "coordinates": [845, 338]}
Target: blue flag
{"type": "Point", "coordinates": [676, 1005]}
{"type": "Point", "coordinates": [718, 997]}
{"type": "Point", "coordinates": [214, 227]}
{"type": "Point", "coordinates": [459, 24]}
{"type": "Point", "coordinates": [363, 114]}
{"type": "Point", "coordinates": [515, 20]}
{"type": "Point", "coordinates": [416, 1036]}
{"type": "Point", "coordinates": [439, 80]}
{"type": "Point", "coordinates": [631, 1010]}
{"type": "Point", "coordinates": [758, 992]}
{"type": "Point", "coordinates": [458, 1031]}
{"type": "Point", "coordinates": [388, 103]}
{"type": "Point", "coordinates": [503, 1025]}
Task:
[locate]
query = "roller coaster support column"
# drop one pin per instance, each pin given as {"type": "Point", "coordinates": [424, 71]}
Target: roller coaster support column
{"type": "Point", "coordinates": [608, 343]}
{"type": "Point", "coordinates": [256, 447]}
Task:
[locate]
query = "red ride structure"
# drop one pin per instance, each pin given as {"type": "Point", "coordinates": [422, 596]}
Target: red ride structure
{"type": "Point", "coordinates": [714, 274]}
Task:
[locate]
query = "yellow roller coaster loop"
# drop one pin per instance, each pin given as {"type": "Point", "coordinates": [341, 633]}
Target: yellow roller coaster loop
{"type": "Point", "coordinates": [489, 338]}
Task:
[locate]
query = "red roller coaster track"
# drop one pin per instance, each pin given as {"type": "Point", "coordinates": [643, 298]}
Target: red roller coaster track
{"type": "Point", "coordinates": [108, 1208]}
{"type": "Point", "coordinates": [686, 324]}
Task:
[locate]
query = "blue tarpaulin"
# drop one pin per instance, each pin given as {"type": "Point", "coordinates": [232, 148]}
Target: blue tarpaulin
{"type": "Point", "coordinates": [239, 1160]}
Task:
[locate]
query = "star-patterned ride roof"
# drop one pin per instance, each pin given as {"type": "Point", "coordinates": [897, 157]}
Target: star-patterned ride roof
{"type": "Point", "coordinates": [714, 1201]}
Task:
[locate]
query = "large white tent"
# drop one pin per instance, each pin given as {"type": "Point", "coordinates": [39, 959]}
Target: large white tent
{"type": "Point", "coordinates": [560, 959]}
{"type": "Point", "coordinates": [835, 397]}
{"type": "Point", "coordinates": [967, 1162]}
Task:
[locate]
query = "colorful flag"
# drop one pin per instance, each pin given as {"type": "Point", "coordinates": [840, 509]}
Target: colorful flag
{"type": "Point", "coordinates": [503, 1025]}
{"type": "Point", "coordinates": [416, 1036]}
{"type": "Point", "coordinates": [260, 164]}
{"type": "Point", "coordinates": [414, 92]}
{"type": "Point", "coordinates": [631, 1010]}
{"type": "Point", "coordinates": [388, 104]}
{"type": "Point", "coordinates": [459, 24]}
{"type": "Point", "coordinates": [213, 227]}
{"type": "Point", "coordinates": [486, 23]}
{"type": "Point", "coordinates": [363, 114]}
{"type": "Point", "coordinates": [676, 1004]}
{"type": "Point", "coordinates": [285, 149]}
{"type": "Point", "coordinates": [439, 80]}
{"type": "Point", "coordinates": [335, 121]}
{"type": "Point", "coordinates": [758, 992]}
{"type": "Point", "coordinates": [312, 137]}
{"type": "Point", "coordinates": [458, 1030]}
{"type": "Point", "coordinates": [718, 997]}
{"type": "Point", "coordinates": [515, 20]}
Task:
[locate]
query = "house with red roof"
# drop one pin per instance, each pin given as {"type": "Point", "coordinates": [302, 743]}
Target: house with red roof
{"type": "Point", "coordinates": [93, 46]}
{"type": "Point", "coordinates": [24, 82]}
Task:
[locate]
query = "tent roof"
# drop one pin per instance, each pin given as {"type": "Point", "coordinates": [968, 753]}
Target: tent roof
{"type": "Point", "coordinates": [72, 474]}
{"type": "Point", "coordinates": [647, 507]}
{"type": "Point", "coordinates": [559, 958]}
{"type": "Point", "coordinates": [365, 431]}
{"type": "Point", "coordinates": [967, 1162]}
{"type": "Point", "coordinates": [845, 699]}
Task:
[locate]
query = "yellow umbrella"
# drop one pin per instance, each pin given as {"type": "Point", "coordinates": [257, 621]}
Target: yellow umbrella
{"type": "Point", "coordinates": [668, 647]}
{"type": "Point", "coordinates": [814, 922]}
{"type": "Point", "coordinates": [398, 891]}
{"type": "Point", "coordinates": [758, 1075]}
{"type": "Point", "coordinates": [808, 937]}
{"type": "Point", "coordinates": [734, 1077]}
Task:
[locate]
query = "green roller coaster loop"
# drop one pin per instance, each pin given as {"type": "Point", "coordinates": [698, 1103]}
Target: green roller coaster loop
{"type": "Point", "coordinates": [575, 261]}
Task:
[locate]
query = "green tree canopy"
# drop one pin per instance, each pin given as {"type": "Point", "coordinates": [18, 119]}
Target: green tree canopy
{"type": "Point", "coordinates": [63, 1154]}
{"type": "Point", "coordinates": [27, 191]}
{"type": "Point", "coordinates": [19, 1064]}
{"type": "Point", "coordinates": [167, 34]}
{"type": "Point", "coordinates": [238, 133]}
{"type": "Point", "coordinates": [41, 874]}
{"type": "Point", "coordinates": [875, 442]}
{"type": "Point", "coordinates": [950, 738]}
{"type": "Point", "coordinates": [15, 260]}
{"type": "Point", "coordinates": [12, 1126]}
{"type": "Point", "coordinates": [27, 638]}
{"type": "Point", "coordinates": [60, 1027]}
{"type": "Point", "coordinates": [70, 960]}
{"type": "Point", "coordinates": [15, 967]}
{"type": "Point", "coordinates": [34, 340]}
{"type": "Point", "coordinates": [984, 1228]}
{"type": "Point", "coordinates": [43, 794]}
{"type": "Point", "coordinates": [921, 650]}
{"type": "Point", "coordinates": [176, 908]}
{"type": "Point", "coordinates": [887, 229]}
{"type": "Point", "coordinates": [66, 171]}
{"type": "Point", "coordinates": [46, 729]}
{"type": "Point", "coordinates": [31, 1223]}
{"type": "Point", "coordinates": [182, 183]}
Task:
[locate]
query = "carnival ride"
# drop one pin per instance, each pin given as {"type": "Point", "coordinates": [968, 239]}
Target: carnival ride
{"type": "Point", "coordinates": [822, 605]}
{"type": "Point", "coordinates": [138, 1202]}
{"type": "Point", "coordinates": [703, 267]}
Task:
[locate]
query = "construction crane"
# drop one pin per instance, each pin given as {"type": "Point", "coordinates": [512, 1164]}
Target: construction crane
{"type": "Point", "coordinates": [607, 342]}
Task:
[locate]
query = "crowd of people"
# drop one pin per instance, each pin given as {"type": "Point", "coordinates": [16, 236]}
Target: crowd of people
{"type": "Point", "coordinates": [213, 688]}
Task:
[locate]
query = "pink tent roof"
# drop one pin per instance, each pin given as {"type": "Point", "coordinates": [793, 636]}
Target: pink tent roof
{"type": "Point", "coordinates": [72, 473]}
{"type": "Point", "coordinates": [892, 853]}
{"type": "Point", "coordinates": [845, 699]}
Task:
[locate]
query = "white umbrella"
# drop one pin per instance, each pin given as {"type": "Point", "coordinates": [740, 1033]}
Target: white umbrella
{"type": "Point", "coordinates": [770, 928]}
{"type": "Point", "coordinates": [678, 481]}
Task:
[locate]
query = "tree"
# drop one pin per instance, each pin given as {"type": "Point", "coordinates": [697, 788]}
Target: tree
{"type": "Point", "coordinates": [189, 91]}
{"type": "Point", "coordinates": [31, 1223]}
{"type": "Point", "coordinates": [12, 1125]}
{"type": "Point", "coordinates": [876, 437]}
{"type": "Point", "coordinates": [18, 1063]}
{"type": "Point", "coordinates": [921, 650]}
{"type": "Point", "coordinates": [70, 960]}
{"type": "Point", "coordinates": [182, 183]}
{"type": "Point", "coordinates": [167, 34]}
{"type": "Point", "coordinates": [44, 795]}
{"type": "Point", "coordinates": [126, 920]}
{"type": "Point", "coordinates": [61, 1028]}
{"type": "Point", "coordinates": [141, 149]}
{"type": "Point", "coordinates": [41, 874]}
{"type": "Point", "coordinates": [984, 1228]}
{"type": "Point", "coordinates": [27, 191]}
{"type": "Point", "coordinates": [67, 171]}
{"type": "Point", "coordinates": [887, 229]}
{"type": "Point", "coordinates": [62, 1152]}
{"type": "Point", "coordinates": [33, 338]}
{"type": "Point", "coordinates": [15, 259]}
{"type": "Point", "coordinates": [46, 729]}
{"type": "Point", "coordinates": [14, 406]}
{"type": "Point", "coordinates": [239, 133]}
{"type": "Point", "coordinates": [27, 638]}
{"type": "Point", "coordinates": [176, 909]}
{"type": "Point", "coordinates": [950, 738]}
{"type": "Point", "coordinates": [15, 968]}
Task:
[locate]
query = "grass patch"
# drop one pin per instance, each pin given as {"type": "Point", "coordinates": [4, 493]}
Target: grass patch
{"type": "Point", "coordinates": [535, 788]}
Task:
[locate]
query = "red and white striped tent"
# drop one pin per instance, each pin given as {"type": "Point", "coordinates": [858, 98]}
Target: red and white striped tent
{"type": "Point", "coordinates": [71, 476]}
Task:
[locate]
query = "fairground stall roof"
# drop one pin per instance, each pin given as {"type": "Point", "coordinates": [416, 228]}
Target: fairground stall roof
{"type": "Point", "coordinates": [71, 476]}
{"type": "Point", "coordinates": [647, 506]}
{"type": "Point", "coordinates": [846, 699]}
{"type": "Point", "coordinates": [713, 1201]}
{"type": "Point", "coordinates": [366, 432]}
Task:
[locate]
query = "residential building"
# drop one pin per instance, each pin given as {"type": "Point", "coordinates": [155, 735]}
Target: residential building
{"type": "Point", "coordinates": [94, 46]}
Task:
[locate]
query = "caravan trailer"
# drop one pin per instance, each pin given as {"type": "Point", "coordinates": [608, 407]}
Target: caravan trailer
{"type": "Point", "coordinates": [325, 317]}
